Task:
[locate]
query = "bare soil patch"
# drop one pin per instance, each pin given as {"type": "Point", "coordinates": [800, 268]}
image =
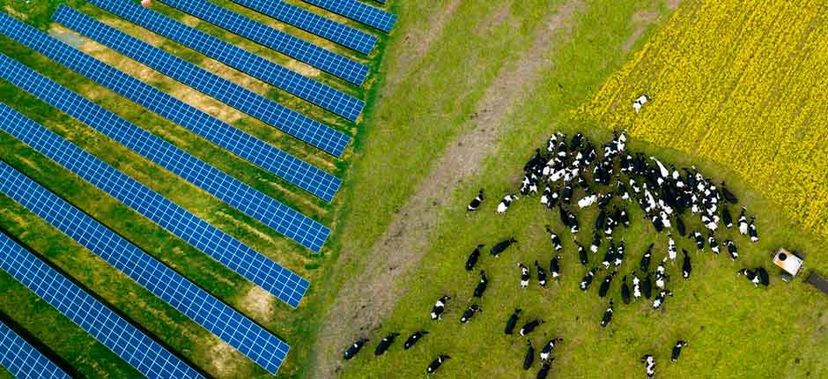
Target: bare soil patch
{"type": "Point", "coordinates": [259, 302]}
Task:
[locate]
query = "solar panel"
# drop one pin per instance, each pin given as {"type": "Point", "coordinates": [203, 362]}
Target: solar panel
{"type": "Point", "coordinates": [262, 34]}
{"type": "Point", "coordinates": [237, 330]}
{"type": "Point", "coordinates": [213, 85]}
{"type": "Point", "coordinates": [281, 164]}
{"type": "Point", "coordinates": [126, 341]}
{"type": "Point", "coordinates": [360, 12]}
{"type": "Point", "coordinates": [272, 213]}
{"type": "Point", "coordinates": [313, 23]}
{"type": "Point", "coordinates": [251, 265]}
{"type": "Point", "coordinates": [23, 360]}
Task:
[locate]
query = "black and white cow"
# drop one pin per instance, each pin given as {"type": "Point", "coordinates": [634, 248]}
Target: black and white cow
{"type": "Point", "coordinates": [529, 358]}
{"type": "Point", "coordinates": [439, 308]}
{"type": "Point", "coordinates": [754, 235]}
{"type": "Point", "coordinates": [469, 313]}
{"type": "Point", "coordinates": [750, 275]}
{"type": "Point", "coordinates": [619, 254]}
{"type": "Point", "coordinates": [607, 315]}
{"type": "Point", "coordinates": [677, 350]}
{"type": "Point", "coordinates": [524, 275]}
{"type": "Point", "coordinates": [609, 256]}
{"type": "Point", "coordinates": [413, 339]}
{"type": "Point", "coordinates": [686, 267]}
{"type": "Point", "coordinates": [481, 285]}
{"type": "Point", "coordinates": [556, 241]}
{"type": "Point", "coordinates": [661, 274]}
{"type": "Point", "coordinates": [587, 280]}
{"type": "Point", "coordinates": [605, 285]}
{"type": "Point", "coordinates": [699, 238]}
{"type": "Point", "coordinates": [544, 370]}
{"type": "Point", "coordinates": [636, 286]}
{"type": "Point", "coordinates": [385, 343]}
{"type": "Point", "coordinates": [475, 203]}
{"type": "Point", "coordinates": [504, 204]}
{"type": "Point", "coordinates": [596, 242]}
{"type": "Point", "coordinates": [555, 267]}
{"type": "Point", "coordinates": [743, 223]}
{"type": "Point", "coordinates": [473, 257]}
{"type": "Point", "coordinates": [501, 246]}
{"type": "Point", "coordinates": [530, 326]}
{"type": "Point", "coordinates": [510, 324]}
{"type": "Point", "coordinates": [625, 290]}
{"type": "Point", "coordinates": [644, 266]}
{"type": "Point", "coordinates": [731, 249]}
{"type": "Point", "coordinates": [355, 348]}
{"type": "Point", "coordinates": [436, 363]}
{"type": "Point", "coordinates": [711, 241]}
{"type": "Point", "coordinates": [582, 254]}
{"type": "Point", "coordinates": [649, 363]}
{"type": "Point", "coordinates": [671, 247]}
{"type": "Point", "coordinates": [546, 352]}
{"type": "Point", "coordinates": [541, 274]}
{"type": "Point", "coordinates": [659, 300]}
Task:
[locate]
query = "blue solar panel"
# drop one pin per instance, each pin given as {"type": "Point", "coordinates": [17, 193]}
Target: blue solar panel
{"type": "Point", "coordinates": [276, 215]}
{"type": "Point", "coordinates": [129, 343]}
{"type": "Point", "coordinates": [264, 35]}
{"type": "Point", "coordinates": [213, 85]}
{"type": "Point", "coordinates": [274, 278]}
{"type": "Point", "coordinates": [237, 330]}
{"type": "Point", "coordinates": [359, 12]}
{"type": "Point", "coordinates": [281, 164]}
{"type": "Point", "coordinates": [23, 360]}
{"type": "Point", "coordinates": [311, 22]}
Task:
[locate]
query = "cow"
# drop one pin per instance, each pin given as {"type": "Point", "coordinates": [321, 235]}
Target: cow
{"type": "Point", "coordinates": [436, 363]}
{"type": "Point", "coordinates": [729, 196]}
{"type": "Point", "coordinates": [727, 219]}
{"type": "Point", "coordinates": [582, 254]}
{"type": "Point", "coordinates": [649, 362]}
{"type": "Point", "coordinates": [743, 223]}
{"type": "Point", "coordinates": [566, 195]}
{"type": "Point", "coordinates": [510, 324]}
{"type": "Point", "coordinates": [524, 275]}
{"type": "Point", "coordinates": [625, 290]}
{"type": "Point", "coordinates": [530, 326]}
{"type": "Point", "coordinates": [636, 286]}
{"type": "Point", "coordinates": [505, 203]}
{"type": "Point", "coordinates": [469, 313]}
{"type": "Point", "coordinates": [547, 349]}
{"type": "Point", "coordinates": [624, 218]}
{"type": "Point", "coordinates": [544, 371]}
{"type": "Point", "coordinates": [601, 220]}
{"type": "Point", "coordinates": [481, 286]}
{"type": "Point", "coordinates": [661, 274]}
{"type": "Point", "coordinates": [609, 256]}
{"type": "Point", "coordinates": [659, 300]}
{"type": "Point", "coordinates": [639, 102]}
{"type": "Point", "coordinates": [355, 348]}
{"type": "Point", "coordinates": [530, 356]}
{"type": "Point", "coordinates": [677, 350]}
{"type": "Point", "coordinates": [647, 286]}
{"type": "Point", "coordinates": [555, 267]}
{"type": "Point", "coordinates": [475, 203]}
{"type": "Point", "coordinates": [699, 238]}
{"type": "Point", "coordinates": [556, 241]}
{"type": "Point", "coordinates": [619, 254]}
{"type": "Point", "coordinates": [439, 308]}
{"type": "Point", "coordinates": [501, 246]}
{"type": "Point", "coordinates": [644, 266]}
{"type": "Point", "coordinates": [686, 268]}
{"type": "Point", "coordinates": [750, 275]}
{"type": "Point", "coordinates": [754, 235]}
{"type": "Point", "coordinates": [541, 274]}
{"type": "Point", "coordinates": [711, 241]}
{"type": "Point", "coordinates": [671, 247]}
{"type": "Point", "coordinates": [386, 342]}
{"type": "Point", "coordinates": [605, 285]}
{"type": "Point", "coordinates": [764, 279]}
{"type": "Point", "coordinates": [680, 226]}
{"type": "Point", "coordinates": [596, 242]}
{"type": "Point", "coordinates": [731, 249]}
{"type": "Point", "coordinates": [413, 339]}
{"type": "Point", "coordinates": [473, 257]}
{"type": "Point", "coordinates": [572, 223]}
{"type": "Point", "coordinates": [607, 315]}
{"type": "Point", "coordinates": [587, 280]}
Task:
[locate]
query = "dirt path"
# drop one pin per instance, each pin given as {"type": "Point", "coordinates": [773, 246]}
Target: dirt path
{"type": "Point", "coordinates": [363, 303]}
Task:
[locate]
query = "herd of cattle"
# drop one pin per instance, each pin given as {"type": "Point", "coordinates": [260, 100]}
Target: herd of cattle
{"type": "Point", "coordinates": [576, 175]}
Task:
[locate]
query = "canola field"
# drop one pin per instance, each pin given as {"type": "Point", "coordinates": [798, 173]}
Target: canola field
{"type": "Point", "coordinates": [742, 84]}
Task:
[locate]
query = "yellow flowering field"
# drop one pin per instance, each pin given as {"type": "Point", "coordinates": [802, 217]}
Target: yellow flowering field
{"type": "Point", "coordinates": [742, 83]}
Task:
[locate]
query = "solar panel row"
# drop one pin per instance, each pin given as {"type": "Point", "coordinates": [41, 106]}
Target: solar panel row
{"type": "Point", "coordinates": [281, 164]}
{"type": "Point", "coordinates": [23, 360]}
{"type": "Point", "coordinates": [260, 270]}
{"type": "Point", "coordinates": [264, 35]}
{"type": "Point", "coordinates": [237, 330]}
{"type": "Point", "coordinates": [129, 343]}
{"type": "Point", "coordinates": [213, 85]}
{"type": "Point", "coordinates": [272, 213]}
{"type": "Point", "coordinates": [360, 12]}
{"type": "Point", "coordinates": [311, 22]}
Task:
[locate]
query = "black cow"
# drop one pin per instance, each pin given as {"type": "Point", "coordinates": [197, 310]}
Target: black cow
{"type": "Point", "coordinates": [541, 274]}
{"type": "Point", "coordinates": [386, 342]}
{"type": "Point", "coordinates": [686, 268]}
{"type": "Point", "coordinates": [473, 257]}
{"type": "Point", "coordinates": [680, 226]}
{"type": "Point", "coordinates": [501, 246]}
{"type": "Point", "coordinates": [727, 219]}
{"type": "Point", "coordinates": [530, 326]}
{"type": "Point", "coordinates": [439, 308]}
{"type": "Point", "coordinates": [750, 275]}
{"type": "Point", "coordinates": [729, 196]}
{"type": "Point", "coordinates": [469, 313]}
{"type": "Point", "coordinates": [530, 356]}
{"type": "Point", "coordinates": [625, 290]}
{"type": "Point", "coordinates": [544, 371]}
{"type": "Point", "coordinates": [649, 362]}
{"type": "Point", "coordinates": [607, 315]}
{"type": "Point", "coordinates": [475, 203]}
{"type": "Point", "coordinates": [582, 254]}
{"type": "Point", "coordinates": [764, 279]}
{"type": "Point", "coordinates": [587, 280]}
{"type": "Point", "coordinates": [481, 286]}
{"type": "Point", "coordinates": [601, 220]}
{"type": "Point", "coordinates": [413, 339]}
{"type": "Point", "coordinates": [659, 300]}
{"type": "Point", "coordinates": [677, 350]}
{"type": "Point", "coordinates": [355, 348]}
{"type": "Point", "coordinates": [644, 266]}
{"type": "Point", "coordinates": [510, 324]}
{"type": "Point", "coordinates": [436, 363]}
{"type": "Point", "coordinates": [547, 349]}
{"type": "Point", "coordinates": [555, 267]}
{"type": "Point", "coordinates": [605, 285]}
{"type": "Point", "coordinates": [647, 286]}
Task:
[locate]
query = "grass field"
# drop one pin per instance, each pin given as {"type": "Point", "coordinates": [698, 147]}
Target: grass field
{"type": "Point", "coordinates": [464, 93]}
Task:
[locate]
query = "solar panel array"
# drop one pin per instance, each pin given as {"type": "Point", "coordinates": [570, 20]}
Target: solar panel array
{"type": "Point", "coordinates": [281, 164]}
{"type": "Point", "coordinates": [311, 22]}
{"type": "Point", "coordinates": [237, 330]}
{"type": "Point", "coordinates": [23, 360]}
{"type": "Point", "coordinates": [272, 213]}
{"type": "Point", "coordinates": [262, 34]}
{"type": "Point", "coordinates": [257, 268]}
{"type": "Point", "coordinates": [359, 11]}
{"type": "Point", "coordinates": [126, 341]}
{"type": "Point", "coordinates": [213, 85]}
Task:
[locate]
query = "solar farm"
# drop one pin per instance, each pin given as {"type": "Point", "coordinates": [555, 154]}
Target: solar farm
{"type": "Point", "coordinates": [284, 188]}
